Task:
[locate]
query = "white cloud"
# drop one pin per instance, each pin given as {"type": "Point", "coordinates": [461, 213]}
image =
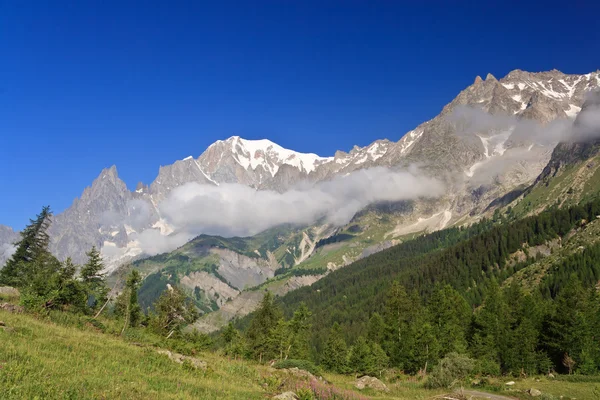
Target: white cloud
{"type": "Point", "coordinates": [238, 210]}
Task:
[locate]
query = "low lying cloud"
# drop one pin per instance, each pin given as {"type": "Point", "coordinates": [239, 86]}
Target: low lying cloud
{"type": "Point", "coordinates": [477, 121]}
{"type": "Point", "coordinates": [238, 210]}
{"type": "Point", "coordinates": [152, 242]}
{"type": "Point", "coordinates": [587, 123]}
{"type": "Point", "coordinates": [6, 252]}
{"type": "Point", "coordinates": [139, 212]}
{"type": "Point", "coordinates": [514, 142]}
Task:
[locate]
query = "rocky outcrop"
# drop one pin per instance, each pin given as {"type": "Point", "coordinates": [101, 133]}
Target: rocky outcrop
{"type": "Point", "coordinates": [212, 287]}
{"type": "Point", "coordinates": [370, 383]}
{"type": "Point", "coordinates": [181, 359]}
{"type": "Point", "coordinates": [286, 396]}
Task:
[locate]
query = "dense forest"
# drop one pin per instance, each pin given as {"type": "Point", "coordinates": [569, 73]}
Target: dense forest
{"type": "Point", "coordinates": [409, 306]}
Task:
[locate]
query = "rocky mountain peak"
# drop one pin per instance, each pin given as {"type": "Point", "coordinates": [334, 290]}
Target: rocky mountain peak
{"type": "Point", "coordinates": [490, 77]}
{"type": "Point", "coordinates": [477, 80]}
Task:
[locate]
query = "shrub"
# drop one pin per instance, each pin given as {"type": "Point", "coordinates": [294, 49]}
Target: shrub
{"type": "Point", "coordinates": [300, 364]}
{"type": "Point", "coordinates": [451, 369]}
{"type": "Point", "coordinates": [485, 366]}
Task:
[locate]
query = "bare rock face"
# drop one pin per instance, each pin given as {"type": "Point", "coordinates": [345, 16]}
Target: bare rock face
{"type": "Point", "coordinates": [241, 271]}
{"type": "Point", "coordinates": [212, 287]}
{"type": "Point", "coordinates": [371, 383]}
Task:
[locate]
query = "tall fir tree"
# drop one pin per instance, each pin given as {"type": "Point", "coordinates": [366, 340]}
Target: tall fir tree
{"type": "Point", "coordinates": [93, 278]}
{"type": "Point", "coordinates": [335, 353]}
{"type": "Point", "coordinates": [265, 319]}
{"type": "Point", "coordinates": [300, 327]}
{"type": "Point", "coordinates": [31, 252]}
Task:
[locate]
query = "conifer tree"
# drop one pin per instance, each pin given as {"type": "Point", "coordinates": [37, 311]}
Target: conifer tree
{"type": "Point", "coordinates": [126, 304]}
{"type": "Point", "coordinates": [376, 329]}
{"type": "Point", "coordinates": [265, 319]}
{"type": "Point", "coordinates": [31, 252]}
{"type": "Point", "coordinates": [335, 353]}
{"type": "Point", "coordinates": [234, 342]}
{"type": "Point", "coordinates": [361, 358]}
{"type": "Point", "coordinates": [450, 315]}
{"type": "Point", "coordinates": [300, 327]}
{"type": "Point", "coordinates": [93, 278]}
{"type": "Point", "coordinates": [279, 341]}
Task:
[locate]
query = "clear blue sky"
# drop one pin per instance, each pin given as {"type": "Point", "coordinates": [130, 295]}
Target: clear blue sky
{"type": "Point", "coordinates": [88, 84]}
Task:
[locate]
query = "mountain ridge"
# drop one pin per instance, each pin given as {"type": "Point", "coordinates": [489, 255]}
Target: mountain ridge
{"type": "Point", "coordinates": [436, 145]}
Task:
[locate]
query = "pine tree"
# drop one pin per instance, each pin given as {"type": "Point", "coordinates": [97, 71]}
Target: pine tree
{"type": "Point", "coordinates": [380, 359]}
{"type": "Point", "coordinates": [279, 341]}
{"type": "Point", "coordinates": [334, 357]}
{"type": "Point", "coordinates": [129, 303]}
{"type": "Point", "coordinates": [300, 327]}
{"type": "Point", "coordinates": [234, 342]}
{"type": "Point", "coordinates": [376, 329]}
{"type": "Point", "coordinates": [31, 252]}
{"type": "Point", "coordinates": [450, 316]}
{"type": "Point", "coordinates": [93, 278]}
{"type": "Point", "coordinates": [361, 358]}
{"type": "Point", "coordinates": [265, 318]}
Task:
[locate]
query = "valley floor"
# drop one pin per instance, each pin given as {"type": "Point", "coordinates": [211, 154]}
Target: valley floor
{"type": "Point", "coordinates": [45, 360]}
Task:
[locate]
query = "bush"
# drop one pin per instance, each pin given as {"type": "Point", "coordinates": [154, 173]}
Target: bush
{"type": "Point", "coordinates": [451, 369]}
{"type": "Point", "coordinates": [300, 364]}
{"type": "Point", "coordinates": [486, 366]}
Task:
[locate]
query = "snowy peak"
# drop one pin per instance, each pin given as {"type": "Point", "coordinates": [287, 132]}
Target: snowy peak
{"type": "Point", "coordinates": [251, 154]}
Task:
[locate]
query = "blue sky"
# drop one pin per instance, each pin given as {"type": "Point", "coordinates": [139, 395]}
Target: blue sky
{"type": "Point", "coordinates": [84, 85]}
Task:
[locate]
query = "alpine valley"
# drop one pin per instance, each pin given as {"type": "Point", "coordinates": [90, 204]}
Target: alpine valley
{"type": "Point", "coordinates": [491, 151]}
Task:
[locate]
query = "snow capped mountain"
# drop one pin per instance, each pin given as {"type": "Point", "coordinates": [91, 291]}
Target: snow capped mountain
{"type": "Point", "coordinates": [110, 216]}
{"type": "Point", "coordinates": [270, 156]}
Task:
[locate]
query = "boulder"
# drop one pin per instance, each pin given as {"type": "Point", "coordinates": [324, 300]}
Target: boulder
{"type": "Point", "coordinates": [299, 373]}
{"type": "Point", "coordinates": [286, 396]}
{"type": "Point", "coordinates": [11, 308]}
{"type": "Point", "coordinates": [7, 291]}
{"type": "Point", "coordinates": [180, 358]}
{"type": "Point", "coordinates": [371, 383]}
{"type": "Point", "coordinates": [534, 392]}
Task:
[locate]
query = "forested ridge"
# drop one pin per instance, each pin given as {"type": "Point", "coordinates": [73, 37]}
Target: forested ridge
{"type": "Point", "coordinates": [440, 294]}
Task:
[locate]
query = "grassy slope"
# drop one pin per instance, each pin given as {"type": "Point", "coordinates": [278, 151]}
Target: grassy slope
{"type": "Point", "coordinates": [47, 361]}
{"type": "Point", "coordinates": [40, 359]}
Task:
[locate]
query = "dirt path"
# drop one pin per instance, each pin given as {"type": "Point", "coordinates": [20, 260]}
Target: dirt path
{"type": "Point", "coordinates": [475, 394]}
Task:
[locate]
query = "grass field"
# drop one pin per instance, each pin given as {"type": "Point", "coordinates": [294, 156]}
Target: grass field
{"type": "Point", "coordinates": [41, 359]}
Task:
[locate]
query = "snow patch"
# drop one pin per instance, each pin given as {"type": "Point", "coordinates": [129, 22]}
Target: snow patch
{"type": "Point", "coordinates": [163, 227]}
{"type": "Point", "coordinates": [573, 111]}
{"type": "Point", "coordinates": [409, 139]}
